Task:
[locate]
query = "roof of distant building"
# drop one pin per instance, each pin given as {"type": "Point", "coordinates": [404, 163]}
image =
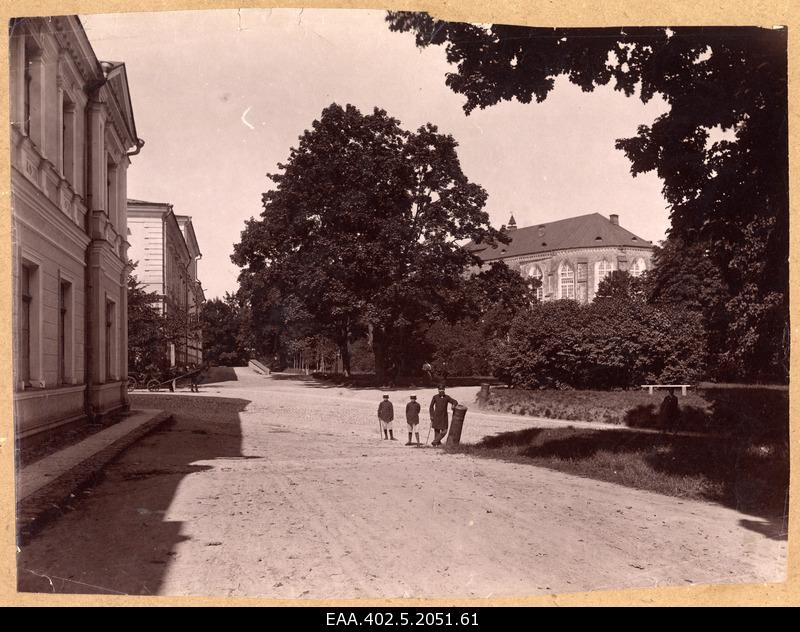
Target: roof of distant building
{"type": "Point", "coordinates": [585, 231]}
{"type": "Point", "coordinates": [132, 201]}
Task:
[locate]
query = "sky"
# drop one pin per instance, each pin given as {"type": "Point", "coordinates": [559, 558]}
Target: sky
{"type": "Point", "coordinates": [221, 96]}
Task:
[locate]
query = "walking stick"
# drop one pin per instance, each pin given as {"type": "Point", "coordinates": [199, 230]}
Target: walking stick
{"type": "Point", "coordinates": [429, 434]}
{"type": "Point", "coordinates": [380, 433]}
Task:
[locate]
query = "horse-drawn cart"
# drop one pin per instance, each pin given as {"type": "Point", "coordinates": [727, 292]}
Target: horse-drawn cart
{"type": "Point", "coordinates": [153, 382]}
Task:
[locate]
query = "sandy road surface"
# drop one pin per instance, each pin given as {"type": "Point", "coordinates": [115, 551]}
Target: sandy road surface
{"type": "Point", "coordinates": [283, 489]}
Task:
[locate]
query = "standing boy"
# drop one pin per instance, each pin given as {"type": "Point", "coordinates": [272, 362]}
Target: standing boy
{"type": "Point", "coordinates": [386, 414]}
{"type": "Point", "coordinates": [412, 419]}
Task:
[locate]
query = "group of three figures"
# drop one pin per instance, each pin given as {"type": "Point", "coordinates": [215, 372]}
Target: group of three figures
{"type": "Point", "coordinates": [438, 413]}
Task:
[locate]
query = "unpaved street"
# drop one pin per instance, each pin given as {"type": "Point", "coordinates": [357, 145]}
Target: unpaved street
{"type": "Point", "coordinates": [283, 488]}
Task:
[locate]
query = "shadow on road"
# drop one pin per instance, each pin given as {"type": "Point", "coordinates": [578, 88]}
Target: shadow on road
{"type": "Point", "coordinates": [739, 472]}
{"type": "Point", "coordinates": [774, 530]}
{"type": "Point", "coordinates": [116, 537]}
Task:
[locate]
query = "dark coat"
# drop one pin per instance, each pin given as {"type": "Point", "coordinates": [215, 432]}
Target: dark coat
{"type": "Point", "coordinates": [669, 411]}
{"type": "Point", "coordinates": [438, 410]}
{"type": "Point", "coordinates": [385, 410]}
{"type": "Point", "coordinates": [412, 412]}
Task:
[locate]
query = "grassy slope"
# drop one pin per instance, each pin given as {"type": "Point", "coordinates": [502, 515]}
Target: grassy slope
{"type": "Point", "coordinates": [743, 473]}
{"type": "Point", "coordinates": [601, 406]}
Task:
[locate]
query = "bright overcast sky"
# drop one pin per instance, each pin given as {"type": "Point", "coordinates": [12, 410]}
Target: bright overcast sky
{"type": "Point", "coordinates": [220, 96]}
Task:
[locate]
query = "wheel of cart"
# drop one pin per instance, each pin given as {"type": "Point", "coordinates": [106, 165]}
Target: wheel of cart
{"type": "Point", "coordinates": [153, 385]}
{"type": "Point", "coordinates": [132, 383]}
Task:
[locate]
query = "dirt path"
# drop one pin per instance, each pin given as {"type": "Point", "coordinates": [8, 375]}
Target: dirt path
{"type": "Point", "coordinates": [283, 489]}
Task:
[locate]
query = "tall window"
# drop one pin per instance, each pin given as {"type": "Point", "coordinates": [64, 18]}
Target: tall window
{"type": "Point", "coordinates": [109, 339]}
{"type": "Point", "coordinates": [111, 192]}
{"type": "Point", "coordinates": [63, 330]}
{"type": "Point", "coordinates": [32, 93]}
{"type": "Point", "coordinates": [536, 273]}
{"type": "Point", "coordinates": [566, 281]}
{"type": "Point", "coordinates": [602, 270]}
{"type": "Point", "coordinates": [68, 141]}
{"type": "Point", "coordinates": [26, 294]}
{"type": "Point", "coordinates": [26, 100]}
{"type": "Point", "coordinates": [637, 267]}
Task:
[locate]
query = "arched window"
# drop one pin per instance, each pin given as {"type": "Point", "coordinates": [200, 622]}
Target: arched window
{"type": "Point", "coordinates": [637, 267]}
{"type": "Point", "coordinates": [601, 270]}
{"type": "Point", "coordinates": [566, 281]}
{"type": "Point", "coordinates": [536, 273]}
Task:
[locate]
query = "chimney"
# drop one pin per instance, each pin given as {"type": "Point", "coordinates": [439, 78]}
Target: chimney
{"type": "Point", "coordinates": [614, 219]}
{"type": "Point", "coordinates": [512, 224]}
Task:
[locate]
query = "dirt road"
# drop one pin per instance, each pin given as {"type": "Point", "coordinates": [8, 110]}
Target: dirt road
{"type": "Point", "coordinates": [284, 489]}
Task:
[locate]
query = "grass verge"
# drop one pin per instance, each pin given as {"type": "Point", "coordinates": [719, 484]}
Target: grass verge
{"type": "Point", "coordinates": [743, 473]}
{"type": "Point", "coordinates": [634, 408]}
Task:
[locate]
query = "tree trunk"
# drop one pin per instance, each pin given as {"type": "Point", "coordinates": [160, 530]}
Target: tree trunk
{"type": "Point", "coordinates": [344, 350]}
{"type": "Point", "coordinates": [379, 351]}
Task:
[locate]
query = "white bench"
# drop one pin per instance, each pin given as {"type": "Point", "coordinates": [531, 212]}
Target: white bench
{"type": "Point", "coordinates": [650, 387]}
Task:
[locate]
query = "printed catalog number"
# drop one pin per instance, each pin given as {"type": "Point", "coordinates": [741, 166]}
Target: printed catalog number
{"type": "Point", "coordinates": [403, 618]}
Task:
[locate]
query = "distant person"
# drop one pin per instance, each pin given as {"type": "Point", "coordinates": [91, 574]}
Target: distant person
{"type": "Point", "coordinates": [438, 412]}
{"type": "Point", "coordinates": [670, 411]}
{"type": "Point", "coordinates": [412, 419]}
{"type": "Point", "coordinates": [196, 378]}
{"type": "Point", "coordinates": [427, 369]}
{"type": "Point", "coordinates": [386, 415]}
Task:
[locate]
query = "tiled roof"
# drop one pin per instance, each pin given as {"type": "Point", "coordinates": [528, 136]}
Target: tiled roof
{"type": "Point", "coordinates": [585, 231]}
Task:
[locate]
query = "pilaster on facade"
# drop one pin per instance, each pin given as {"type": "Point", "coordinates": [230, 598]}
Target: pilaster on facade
{"type": "Point", "coordinates": [70, 279]}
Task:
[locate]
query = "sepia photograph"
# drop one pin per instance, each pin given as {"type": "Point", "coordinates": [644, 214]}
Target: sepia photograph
{"type": "Point", "coordinates": [313, 305]}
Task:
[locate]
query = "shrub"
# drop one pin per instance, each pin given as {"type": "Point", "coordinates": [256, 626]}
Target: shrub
{"type": "Point", "coordinates": [611, 343]}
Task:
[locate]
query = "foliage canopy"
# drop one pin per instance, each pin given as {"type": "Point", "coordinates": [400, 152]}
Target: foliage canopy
{"type": "Point", "coordinates": [731, 195]}
{"type": "Point", "coordinates": [362, 229]}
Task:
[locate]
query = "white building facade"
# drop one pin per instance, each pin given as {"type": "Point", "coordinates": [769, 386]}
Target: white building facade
{"type": "Point", "coordinates": [165, 251]}
{"type": "Point", "coordinates": [72, 135]}
{"type": "Point", "coordinates": [570, 257]}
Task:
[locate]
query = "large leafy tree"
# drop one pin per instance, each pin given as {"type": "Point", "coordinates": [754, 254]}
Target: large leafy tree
{"type": "Point", "coordinates": [147, 342]}
{"type": "Point", "coordinates": [223, 324]}
{"type": "Point", "coordinates": [362, 226]}
{"type": "Point", "coordinates": [686, 276]}
{"type": "Point", "coordinates": [484, 306]}
{"type": "Point", "coordinates": [621, 284]}
{"type": "Point", "coordinates": [496, 293]}
{"type": "Point", "coordinates": [730, 194]}
{"type": "Point", "coordinates": [273, 320]}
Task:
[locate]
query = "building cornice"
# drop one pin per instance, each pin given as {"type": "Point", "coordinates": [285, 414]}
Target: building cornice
{"type": "Point", "coordinates": [566, 252]}
{"type": "Point", "coordinates": [71, 38]}
{"type": "Point", "coordinates": [48, 213]}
